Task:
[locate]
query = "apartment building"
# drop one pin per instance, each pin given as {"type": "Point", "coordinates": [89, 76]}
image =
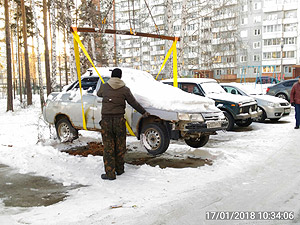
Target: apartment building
{"type": "Point", "coordinates": [239, 38]}
{"type": "Point", "coordinates": [280, 27]}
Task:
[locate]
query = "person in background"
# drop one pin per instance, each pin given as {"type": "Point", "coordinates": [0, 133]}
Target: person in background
{"type": "Point", "coordinates": [295, 101]}
{"type": "Point", "coordinates": [113, 126]}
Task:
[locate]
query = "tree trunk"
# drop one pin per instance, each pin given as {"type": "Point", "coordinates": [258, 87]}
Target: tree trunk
{"type": "Point", "coordinates": [53, 41]}
{"type": "Point", "coordinates": [13, 64]}
{"type": "Point", "coordinates": [8, 59]}
{"type": "Point", "coordinates": [36, 33]}
{"type": "Point", "coordinates": [65, 56]}
{"type": "Point", "coordinates": [170, 32]}
{"type": "Point", "coordinates": [47, 61]}
{"type": "Point", "coordinates": [73, 74]}
{"type": "Point", "coordinates": [27, 71]}
{"type": "Point", "coordinates": [19, 62]}
{"type": "Point", "coordinates": [93, 49]}
{"type": "Point", "coordinates": [182, 35]}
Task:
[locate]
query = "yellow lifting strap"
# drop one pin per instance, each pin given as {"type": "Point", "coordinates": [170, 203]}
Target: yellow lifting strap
{"type": "Point", "coordinates": [174, 50]}
{"type": "Point", "coordinates": [77, 42]}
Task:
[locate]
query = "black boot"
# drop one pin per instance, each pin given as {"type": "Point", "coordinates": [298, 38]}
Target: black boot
{"type": "Point", "coordinates": [105, 177]}
{"type": "Point", "coordinates": [120, 172]}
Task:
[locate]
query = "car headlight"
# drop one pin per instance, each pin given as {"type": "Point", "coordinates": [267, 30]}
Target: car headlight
{"type": "Point", "coordinates": [272, 104]}
{"type": "Point", "coordinates": [190, 117]}
{"type": "Point", "coordinates": [221, 116]}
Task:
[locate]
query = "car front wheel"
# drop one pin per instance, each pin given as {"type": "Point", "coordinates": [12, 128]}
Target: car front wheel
{"type": "Point", "coordinates": [230, 121]}
{"type": "Point", "coordinates": [65, 131]}
{"type": "Point", "coordinates": [244, 123]}
{"type": "Point", "coordinates": [155, 138]}
{"type": "Point", "coordinates": [197, 142]}
{"type": "Point", "coordinates": [263, 116]}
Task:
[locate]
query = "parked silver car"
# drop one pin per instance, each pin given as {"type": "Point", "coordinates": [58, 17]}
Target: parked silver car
{"type": "Point", "coordinates": [273, 108]}
{"type": "Point", "coordinates": [282, 90]}
{"type": "Point", "coordinates": [194, 124]}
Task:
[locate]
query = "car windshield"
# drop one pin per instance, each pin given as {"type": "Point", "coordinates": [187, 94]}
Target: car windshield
{"type": "Point", "coordinates": [212, 87]}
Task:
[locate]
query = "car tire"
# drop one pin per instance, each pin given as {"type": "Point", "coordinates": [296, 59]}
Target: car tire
{"type": "Point", "coordinates": [65, 131]}
{"type": "Point", "coordinates": [263, 116]}
{"type": "Point", "coordinates": [282, 95]}
{"type": "Point", "coordinates": [155, 138]}
{"type": "Point", "coordinates": [230, 120]}
{"type": "Point", "coordinates": [244, 123]}
{"type": "Point", "coordinates": [197, 142]}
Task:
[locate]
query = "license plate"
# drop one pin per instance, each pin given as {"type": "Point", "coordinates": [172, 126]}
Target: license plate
{"type": "Point", "coordinates": [213, 124]}
{"type": "Point", "coordinates": [287, 110]}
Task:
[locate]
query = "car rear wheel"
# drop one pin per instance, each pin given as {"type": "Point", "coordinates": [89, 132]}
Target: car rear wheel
{"type": "Point", "coordinates": [155, 138]}
{"type": "Point", "coordinates": [244, 123]}
{"type": "Point", "coordinates": [230, 121]}
{"type": "Point", "coordinates": [65, 131]}
{"type": "Point", "coordinates": [282, 95]}
{"type": "Point", "coordinates": [197, 142]}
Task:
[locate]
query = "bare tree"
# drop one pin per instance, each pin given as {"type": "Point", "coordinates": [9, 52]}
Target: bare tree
{"type": "Point", "coordinates": [69, 5]}
{"type": "Point", "coordinates": [37, 32]}
{"type": "Point", "coordinates": [53, 42]}
{"type": "Point", "coordinates": [27, 70]}
{"type": "Point", "coordinates": [8, 58]}
{"type": "Point", "coordinates": [47, 60]}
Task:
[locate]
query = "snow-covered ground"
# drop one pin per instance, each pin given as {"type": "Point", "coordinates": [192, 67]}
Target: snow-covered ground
{"type": "Point", "coordinates": [254, 169]}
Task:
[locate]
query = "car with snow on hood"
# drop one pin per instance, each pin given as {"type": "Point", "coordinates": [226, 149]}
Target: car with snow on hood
{"type": "Point", "coordinates": [174, 114]}
{"type": "Point", "coordinates": [273, 108]}
{"type": "Point", "coordinates": [239, 110]}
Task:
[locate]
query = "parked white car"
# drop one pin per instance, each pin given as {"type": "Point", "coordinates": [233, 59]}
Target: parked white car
{"type": "Point", "coordinates": [273, 108]}
{"type": "Point", "coordinates": [174, 114]}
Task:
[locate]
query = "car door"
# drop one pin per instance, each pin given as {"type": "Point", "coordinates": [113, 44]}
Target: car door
{"type": "Point", "coordinates": [88, 100]}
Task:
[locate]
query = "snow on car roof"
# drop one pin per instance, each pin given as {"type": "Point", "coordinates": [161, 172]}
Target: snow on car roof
{"type": "Point", "coordinates": [153, 94]}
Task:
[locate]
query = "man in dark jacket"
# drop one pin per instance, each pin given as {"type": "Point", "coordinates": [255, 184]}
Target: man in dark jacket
{"type": "Point", "coordinates": [295, 101]}
{"type": "Point", "coordinates": [114, 94]}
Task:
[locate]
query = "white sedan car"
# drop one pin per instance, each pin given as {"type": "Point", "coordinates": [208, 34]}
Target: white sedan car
{"type": "Point", "coordinates": [273, 107]}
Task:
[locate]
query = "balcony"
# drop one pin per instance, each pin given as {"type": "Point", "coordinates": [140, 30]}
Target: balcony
{"type": "Point", "coordinates": [224, 16]}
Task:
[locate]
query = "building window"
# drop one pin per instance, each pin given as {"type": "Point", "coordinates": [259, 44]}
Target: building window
{"type": "Point", "coordinates": [288, 54]}
{"type": "Point", "coordinates": [290, 27]}
{"type": "Point", "coordinates": [257, 19]}
{"type": "Point", "coordinates": [255, 70]}
{"type": "Point", "coordinates": [245, 8]}
{"type": "Point", "coordinates": [244, 21]}
{"type": "Point", "coordinates": [272, 28]}
{"type": "Point", "coordinates": [256, 44]}
{"type": "Point", "coordinates": [288, 69]}
{"type": "Point", "coordinates": [244, 33]}
{"type": "Point", "coordinates": [257, 32]}
{"type": "Point", "coordinates": [218, 72]}
{"type": "Point", "coordinates": [256, 58]}
{"type": "Point", "coordinates": [273, 41]}
{"type": "Point", "coordinates": [243, 58]}
{"type": "Point", "coordinates": [257, 5]}
{"type": "Point", "coordinates": [271, 69]}
{"type": "Point", "coordinates": [290, 41]}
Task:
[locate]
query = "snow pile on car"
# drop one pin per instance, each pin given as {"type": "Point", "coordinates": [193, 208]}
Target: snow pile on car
{"type": "Point", "coordinates": [154, 94]}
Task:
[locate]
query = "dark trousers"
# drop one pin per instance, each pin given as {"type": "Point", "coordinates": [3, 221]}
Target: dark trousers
{"type": "Point", "coordinates": [114, 142]}
{"type": "Point", "coordinates": [297, 114]}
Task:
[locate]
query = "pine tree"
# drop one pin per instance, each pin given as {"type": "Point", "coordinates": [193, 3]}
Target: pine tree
{"type": "Point", "coordinates": [8, 58]}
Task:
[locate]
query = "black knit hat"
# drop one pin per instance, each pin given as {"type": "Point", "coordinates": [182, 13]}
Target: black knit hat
{"type": "Point", "coordinates": [116, 73]}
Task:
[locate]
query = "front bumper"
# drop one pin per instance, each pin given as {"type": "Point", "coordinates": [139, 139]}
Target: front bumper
{"type": "Point", "coordinates": [277, 112]}
{"type": "Point", "coordinates": [252, 115]}
{"type": "Point", "coordinates": [206, 127]}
